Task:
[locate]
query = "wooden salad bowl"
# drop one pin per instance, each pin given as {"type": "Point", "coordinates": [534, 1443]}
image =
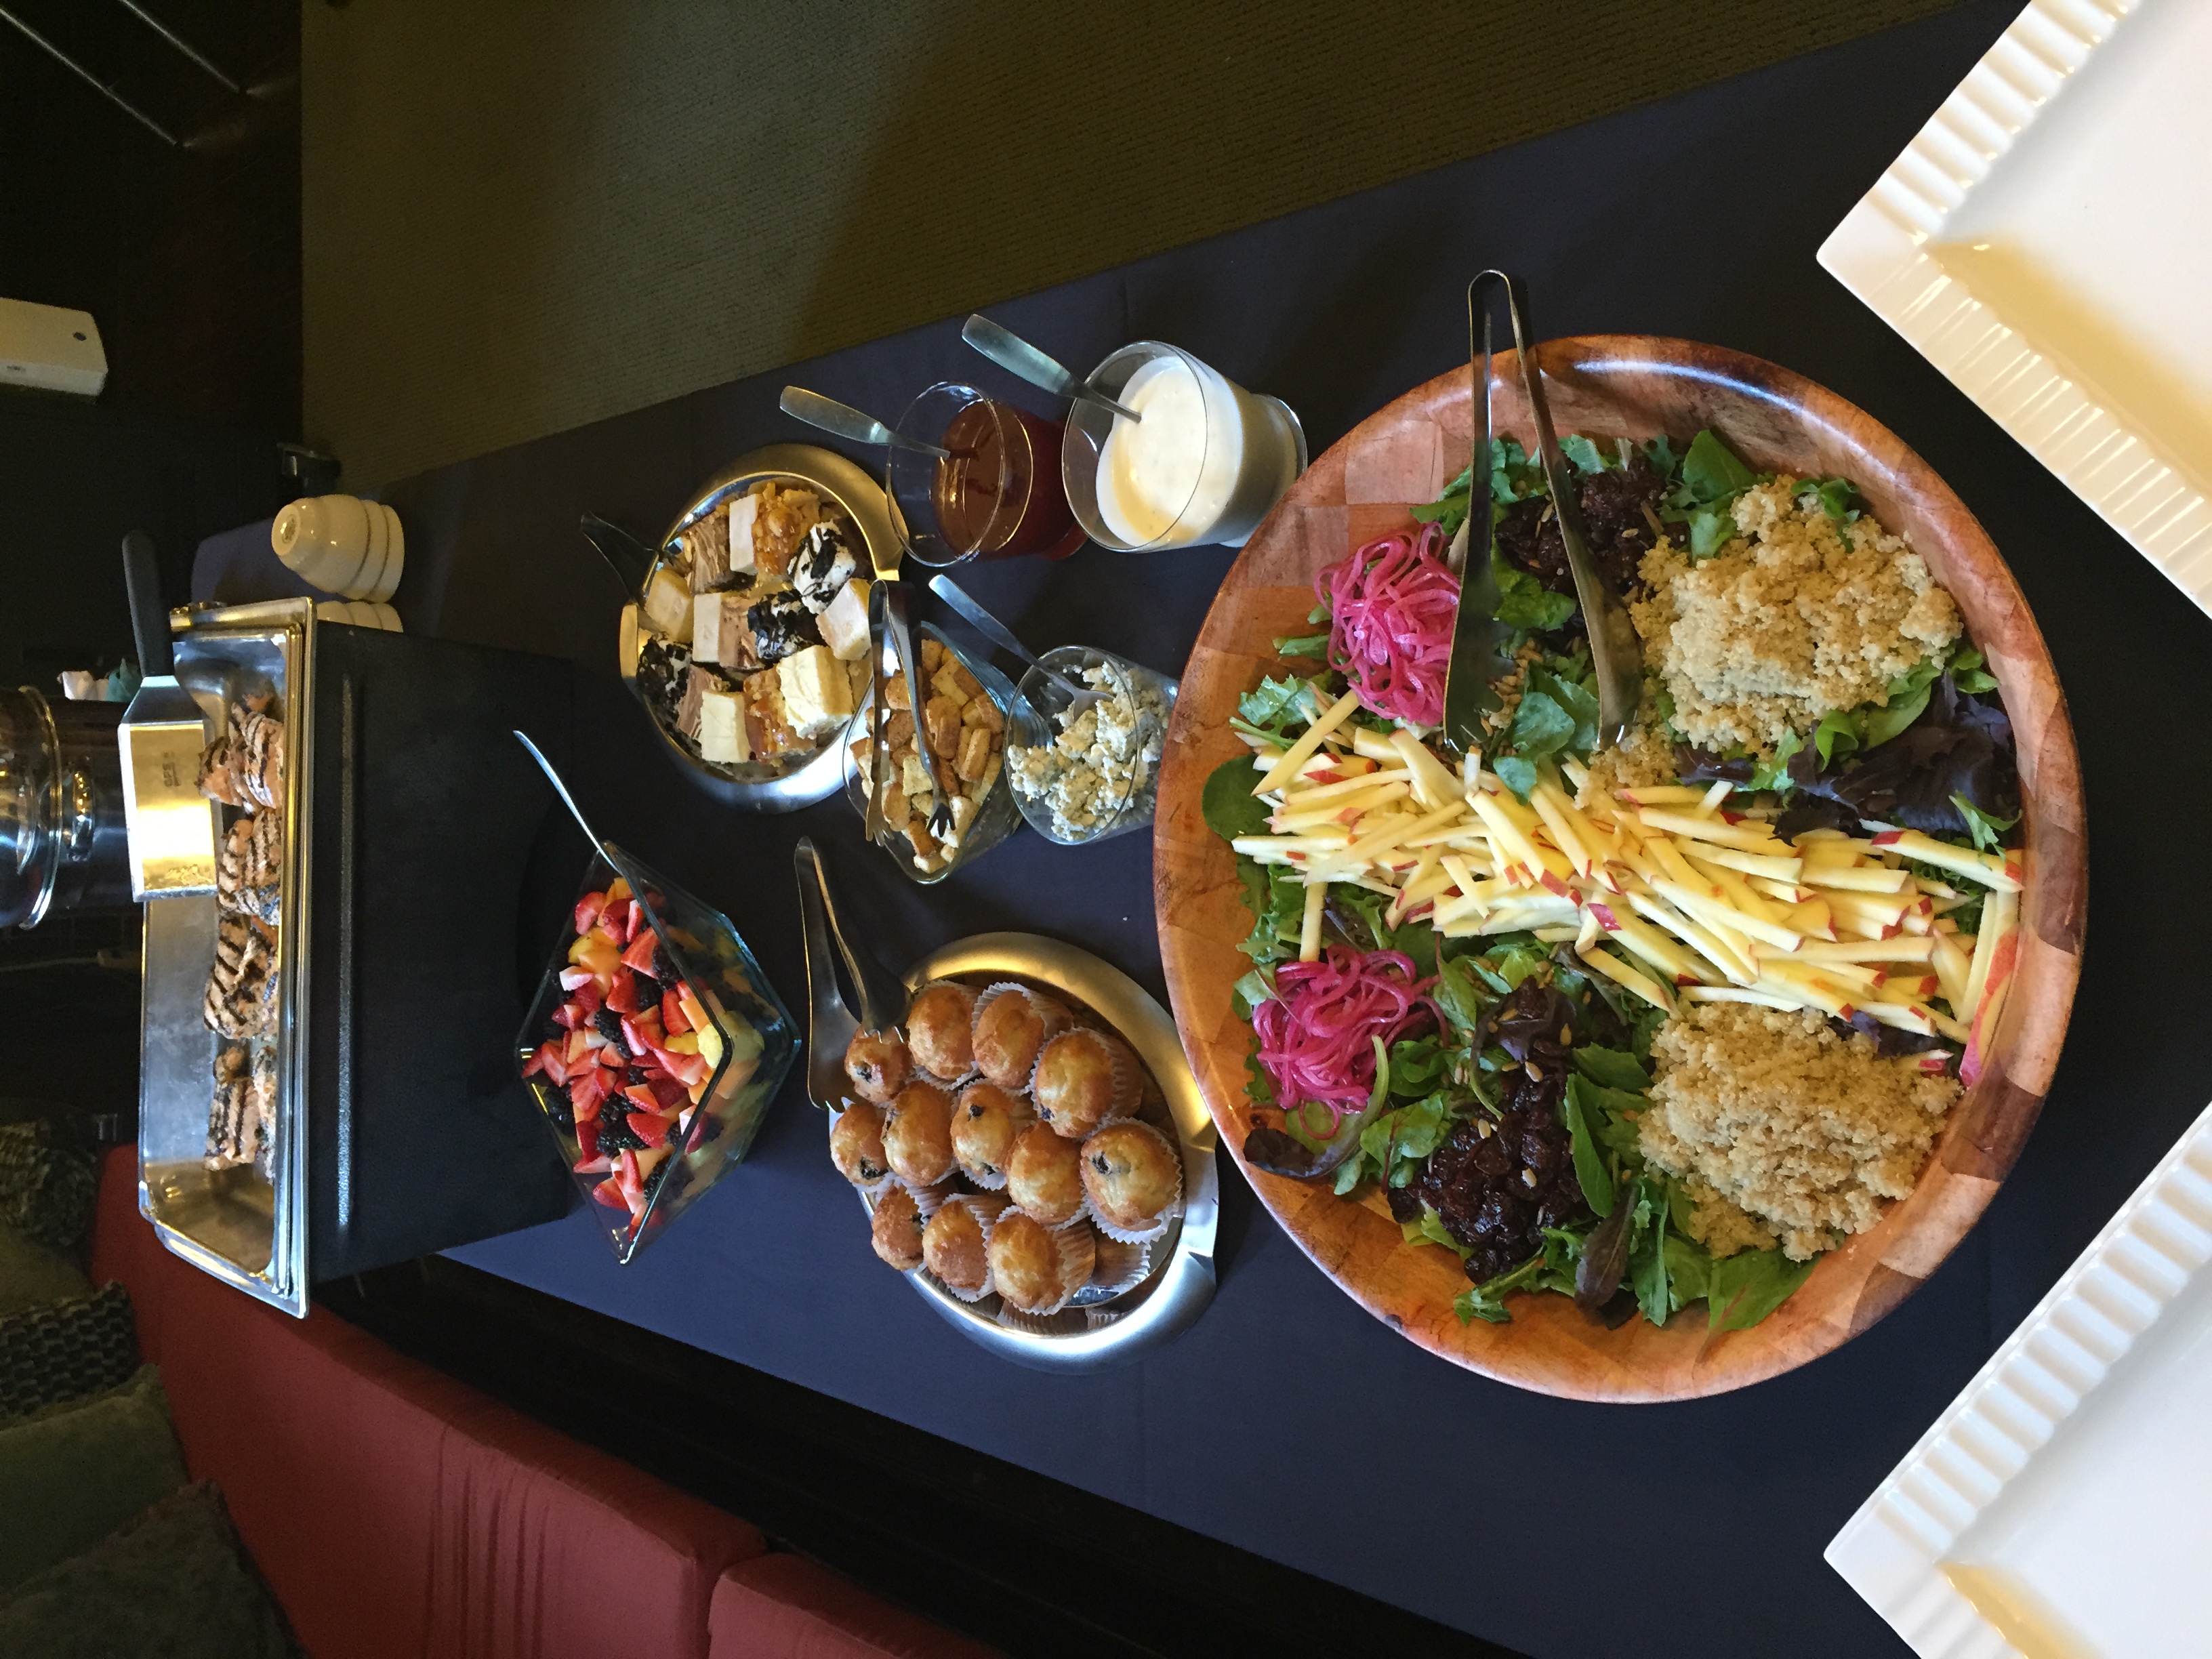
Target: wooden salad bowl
{"type": "Point", "coordinates": [1638, 386]}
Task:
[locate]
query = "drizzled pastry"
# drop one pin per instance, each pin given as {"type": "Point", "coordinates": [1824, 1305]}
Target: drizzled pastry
{"type": "Point", "coordinates": [249, 871]}
{"type": "Point", "coordinates": [241, 986]}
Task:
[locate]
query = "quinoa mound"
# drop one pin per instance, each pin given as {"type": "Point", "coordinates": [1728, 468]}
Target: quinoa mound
{"type": "Point", "coordinates": [1776, 1115]}
{"type": "Point", "coordinates": [1797, 616]}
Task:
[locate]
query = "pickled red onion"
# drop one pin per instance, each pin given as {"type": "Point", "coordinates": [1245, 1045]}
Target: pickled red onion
{"type": "Point", "coordinates": [1392, 605]}
{"type": "Point", "coordinates": [1316, 1034]}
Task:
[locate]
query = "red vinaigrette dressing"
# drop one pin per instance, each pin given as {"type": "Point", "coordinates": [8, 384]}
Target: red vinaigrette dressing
{"type": "Point", "coordinates": [999, 495]}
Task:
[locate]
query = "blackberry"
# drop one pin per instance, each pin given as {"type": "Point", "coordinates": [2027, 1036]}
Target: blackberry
{"type": "Point", "coordinates": [648, 990]}
{"type": "Point", "coordinates": [609, 1027]}
{"type": "Point", "coordinates": [664, 969]}
{"type": "Point", "coordinates": [557, 1108]}
{"type": "Point", "coordinates": [633, 1075]}
{"type": "Point", "coordinates": [615, 1133]}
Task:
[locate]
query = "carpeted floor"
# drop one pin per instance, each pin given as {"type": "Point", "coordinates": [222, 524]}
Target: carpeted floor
{"type": "Point", "coordinates": [520, 217]}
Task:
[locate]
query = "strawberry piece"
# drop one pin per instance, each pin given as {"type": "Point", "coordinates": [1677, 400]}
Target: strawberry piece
{"type": "Point", "coordinates": [587, 1141]}
{"type": "Point", "coordinates": [689, 1070]}
{"type": "Point", "coordinates": [637, 921]}
{"type": "Point", "coordinates": [572, 977]}
{"type": "Point", "coordinates": [610, 1193]}
{"type": "Point", "coordinates": [639, 955]}
{"type": "Point", "coordinates": [672, 1017]}
{"type": "Point", "coordinates": [587, 910]}
{"type": "Point", "coordinates": [643, 1096]}
{"type": "Point", "coordinates": [623, 998]}
{"type": "Point", "coordinates": [650, 1127]}
{"type": "Point", "coordinates": [591, 1166]}
{"type": "Point", "coordinates": [589, 997]}
{"type": "Point", "coordinates": [565, 1017]}
{"type": "Point", "coordinates": [668, 1095]}
{"type": "Point", "coordinates": [536, 1063]}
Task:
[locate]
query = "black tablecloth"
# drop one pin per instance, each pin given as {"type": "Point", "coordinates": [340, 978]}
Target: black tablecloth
{"type": "Point", "coordinates": [1288, 1421]}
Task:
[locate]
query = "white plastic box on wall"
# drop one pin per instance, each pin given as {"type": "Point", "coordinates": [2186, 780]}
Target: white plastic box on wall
{"type": "Point", "coordinates": [51, 349]}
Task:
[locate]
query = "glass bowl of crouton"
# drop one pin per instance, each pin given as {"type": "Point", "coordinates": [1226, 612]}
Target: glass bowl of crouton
{"type": "Point", "coordinates": [948, 800]}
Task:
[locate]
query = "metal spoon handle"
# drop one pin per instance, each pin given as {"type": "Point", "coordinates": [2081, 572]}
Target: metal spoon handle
{"type": "Point", "coordinates": [559, 789]}
{"type": "Point", "coordinates": [843, 420]}
{"type": "Point", "coordinates": [1017, 356]}
{"type": "Point", "coordinates": [996, 631]}
{"type": "Point", "coordinates": [882, 999]}
{"type": "Point", "coordinates": [830, 1024]}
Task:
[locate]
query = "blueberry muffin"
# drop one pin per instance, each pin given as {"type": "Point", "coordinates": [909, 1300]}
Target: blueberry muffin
{"type": "Point", "coordinates": [895, 1229]}
{"type": "Point", "coordinates": [856, 1145]}
{"type": "Point", "coordinates": [1044, 1175]}
{"type": "Point", "coordinates": [1133, 1176]}
{"type": "Point", "coordinates": [1012, 1023]}
{"type": "Point", "coordinates": [1036, 1269]}
{"type": "Point", "coordinates": [1084, 1078]}
{"type": "Point", "coordinates": [918, 1136]}
{"type": "Point", "coordinates": [940, 1030]}
{"type": "Point", "coordinates": [986, 1122]}
{"type": "Point", "coordinates": [879, 1065]}
{"type": "Point", "coordinates": [955, 1243]}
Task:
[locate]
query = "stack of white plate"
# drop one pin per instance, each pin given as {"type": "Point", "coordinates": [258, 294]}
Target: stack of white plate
{"type": "Point", "coordinates": [342, 544]}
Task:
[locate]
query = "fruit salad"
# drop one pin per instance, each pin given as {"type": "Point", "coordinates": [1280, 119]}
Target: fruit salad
{"type": "Point", "coordinates": [635, 1051]}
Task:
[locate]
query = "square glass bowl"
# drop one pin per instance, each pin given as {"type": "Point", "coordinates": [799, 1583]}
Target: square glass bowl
{"type": "Point", "coordinates": [997, 814]}
{"type": "Point", "coordinates": [742, 1046]}
{"type": "Point", "coordinates": [1106, 805]}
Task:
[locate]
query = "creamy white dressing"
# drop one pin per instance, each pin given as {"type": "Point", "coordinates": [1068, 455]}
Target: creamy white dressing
{"type": "Point", "coordinates": [1173, 470]}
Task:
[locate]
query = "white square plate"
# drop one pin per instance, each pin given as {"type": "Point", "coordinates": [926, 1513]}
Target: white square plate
{"type": "Point", "coordinates": [2046, 242]}
{"type": "Point", "coordinates": [2062, 1507]}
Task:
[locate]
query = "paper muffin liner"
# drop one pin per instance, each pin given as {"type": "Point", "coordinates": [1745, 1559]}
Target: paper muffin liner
{"type": "Point", "coordinates": [1129, 1083]}
{"type": "Point", "coordinates": [1155, 1229]}
{"type": "Point", "coordinates": [1055, 1015]}
{"type": "Point", "coordinates": [967, 990]}
{"type": "Point", "coordinates": [1029, 1324]}
{"type": "Point", "coordinates": [928, 1199]}
{"type": "Point", "coordinates": [986, 1207]}
{"type": "Point", "coordinates": [1119, 1265]}
{"type": "Point", "coordinates": [1079, 1251]}
{"type": "Point", "coordinates": [990, 1181]}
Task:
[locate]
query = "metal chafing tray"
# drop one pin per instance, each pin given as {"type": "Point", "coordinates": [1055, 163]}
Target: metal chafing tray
{"type": "Point", "coordinates": [410, 815]}
{"type": "Point", "coordinates": [244, 1230]}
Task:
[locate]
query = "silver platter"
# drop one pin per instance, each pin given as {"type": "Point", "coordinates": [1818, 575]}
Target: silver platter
{"type": "Point", "coordinates": [1111, 1331]}
{"type": "Point", "coordinates": [753, 789]}
{"type": "Point", "coordinates": [231, 1224]}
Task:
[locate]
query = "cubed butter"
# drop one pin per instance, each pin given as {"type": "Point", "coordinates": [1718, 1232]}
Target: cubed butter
{"type": "Point", "coordinates": [817, 697]}
{"type": "Point", "coordinates": [844, 622]}
{"type": "Point", "coordinates": [722, 728]}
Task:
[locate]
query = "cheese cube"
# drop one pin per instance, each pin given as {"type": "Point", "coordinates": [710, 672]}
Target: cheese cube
{"type": "Point", "coordinates": [745, 510]}
{"type": "Point", "coordinates": [817, 698]}
{"type": "Point", "coordinates": [668, 606]}
{"type": "Point", "coordinates": [722, 728]}
{"type": "Point", "coordinates": [718, 621]}
{"type": "Point", "coordinates": [844, 622]}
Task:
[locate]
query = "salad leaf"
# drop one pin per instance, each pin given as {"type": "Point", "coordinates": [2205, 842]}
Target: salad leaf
{"type": "Point", "coordinates": [1711, 530]}
{"type": "Point", "coordinates": [1516, 773]}
{"type": "Point", "coordinates": [1744, 1288]}
{"type": "Point", "coordinates": [1272, 707]}
{"type": "Point", "coordinates": [1430, 1229]}
{"type": "Point", "coordinates": [1711, 471]}
{"type": "Point", "coordinates": [1511, 960]}
{"type": "Point", "coordinates": [1571, 684]}
{"type": "Point", "coordinates": [1590, 1172]}
{"type": "Point", "coordinates": [1615, 1068]}
{"type": "Point", "coordinates": [1515, 474]}
{"type": "Point", "coordinates": [1583, 455]}
{"type": "Point", "coordinates": [1393, 1145]}
{"type": "Point", "coordinates": [1525, 603]}
{"type": "Point", "coordinates": [1836, 737]}
{"type": "Point", "coordinates": [1604, 1258]}
{"type": "Point", "coordinates": [1254, 988]}
{"type": "Point", "coordinates": [1987, 831]}
{"type": "Point", "coordinates": [1315, 646]}
{"type": "Point", "coordinates": [1278, 899]}
{"type": "Point", "coordinates": [1228, 804]}
{"type": "Point", "coordinates": [1418, 1066]}
{"type": "Point", "coordinates": [1836, 495]}
{"type": "Point", "coordinates": [1486, 1301]}
{"type": "Point", "coordinates": [1773, 772]}
{"type": "Point", "coordinates": [1660, 452]}
{"type": "Point", "coordinates": [1540, 727]}
{"type": "Point", "coordinates": [1970, 672]}
{"type": "Point", "coordinates": [1459, 993]}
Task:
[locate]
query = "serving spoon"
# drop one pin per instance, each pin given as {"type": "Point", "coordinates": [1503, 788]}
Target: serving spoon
{"type": "Point", "coordinates": [1017, 356]}
{"type": "Point", "coordinates": [1007, 640]}
{"type": "Point", "coordinates": [843, 420]}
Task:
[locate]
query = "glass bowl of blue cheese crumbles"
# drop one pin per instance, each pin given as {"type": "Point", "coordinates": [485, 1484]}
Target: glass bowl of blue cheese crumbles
{"type": "Point", "coordinates": [1099, 776]}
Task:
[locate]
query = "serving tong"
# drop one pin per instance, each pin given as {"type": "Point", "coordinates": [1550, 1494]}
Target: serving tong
{"type": "Point", "coordinates": [1479, 641]}
{"type": "Point", "coordinates": [831, 1025]}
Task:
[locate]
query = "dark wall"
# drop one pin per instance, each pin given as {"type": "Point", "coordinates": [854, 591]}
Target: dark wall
{"type": "Point", "coordinates": [187, 255]}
